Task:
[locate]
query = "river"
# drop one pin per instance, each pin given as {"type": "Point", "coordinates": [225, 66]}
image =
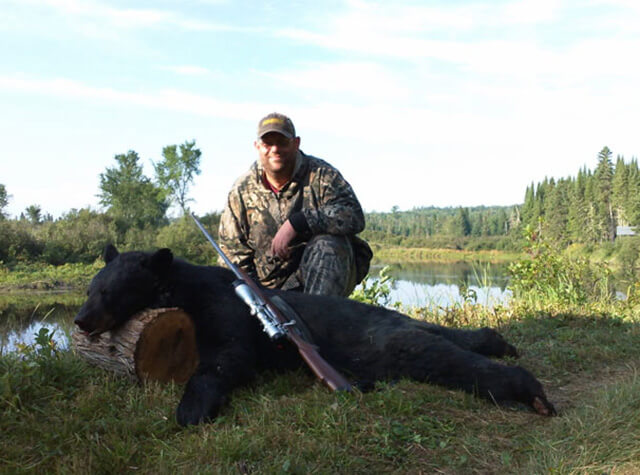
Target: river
{"type": "Point", "coordinates": [436, 284]}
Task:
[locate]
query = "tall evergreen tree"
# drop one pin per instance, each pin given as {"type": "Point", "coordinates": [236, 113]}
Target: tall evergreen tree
{"type": "Point", "coordinates": [604, 187]}
{"type": "Point", "coordinates": [593, 230]}
{"type": "Point", "coordinates": [529, 206]}
{"type": "Point", "coordinates": [620, 191]}
{"type": "Point", "coordinates": [4, 201]}
{"type": "Point", "coordinates": [632, 205]}
{"type": "Point", "coordinates": [578, 213]}
{"type": "Point", "coordinates": [557, 212]}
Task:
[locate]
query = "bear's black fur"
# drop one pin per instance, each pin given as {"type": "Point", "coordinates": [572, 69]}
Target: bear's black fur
{"type": "Point", "coordinates": [365, 342]}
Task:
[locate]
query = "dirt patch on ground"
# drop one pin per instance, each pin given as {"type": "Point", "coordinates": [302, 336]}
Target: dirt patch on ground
{"type": "Point", "coordinates": [568, 395]}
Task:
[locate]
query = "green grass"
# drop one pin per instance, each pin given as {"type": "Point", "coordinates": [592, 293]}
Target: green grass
{"type": "Point", "coordinates": [61, 415]}
{"type": "Point", "coordinates": [39, 276]}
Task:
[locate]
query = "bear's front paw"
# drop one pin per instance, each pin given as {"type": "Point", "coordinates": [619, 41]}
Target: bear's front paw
{"type": "Point", "coordinates": [495, 345]}
{"type": "Point", "coordinates": [201, 401]}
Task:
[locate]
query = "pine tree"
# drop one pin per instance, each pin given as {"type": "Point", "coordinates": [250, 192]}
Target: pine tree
{"type": "Point", "coordinates": [557, 212]}
{"type": "Point", "coordinates": [620, 191]}
{"type": "Point", "coordinates": [632, 206]}
{"type": "Point", "coordinates": [528, 207]}
{"type": "Point", "coordinates": [577, 219]}
{"type": "Point", "coordinates": [605, 213]}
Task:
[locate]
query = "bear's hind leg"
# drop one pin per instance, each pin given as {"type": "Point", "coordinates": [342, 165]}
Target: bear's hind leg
{"type": "Point", "coordinates": [485, 341]}
{"type": "Point", "coordinates": [432, 358]}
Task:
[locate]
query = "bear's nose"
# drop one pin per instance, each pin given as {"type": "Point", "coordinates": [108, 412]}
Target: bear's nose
{"type": "Point", "coordinates": [82, 323]}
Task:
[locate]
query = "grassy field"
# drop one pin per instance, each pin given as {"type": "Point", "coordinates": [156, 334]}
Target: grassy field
{"type": "Point", "coordinates": [60, 415]}
{"type": "Point", "coordinates": [38, 276]}
{"type": "Point", "coordinates": [390, 254]}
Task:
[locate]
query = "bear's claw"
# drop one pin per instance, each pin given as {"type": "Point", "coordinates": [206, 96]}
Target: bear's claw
{"type": "Point", "coordinates": [543, 407]}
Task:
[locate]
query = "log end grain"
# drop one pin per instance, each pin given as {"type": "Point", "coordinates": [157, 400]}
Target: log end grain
{"type": "Point", "coordinates": [154, 345]}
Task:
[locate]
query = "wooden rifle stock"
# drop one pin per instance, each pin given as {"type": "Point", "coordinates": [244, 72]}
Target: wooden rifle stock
{"type": "Point", "coordinates": [309, 353]}
{"type": "Point", "coordinates": [320, 367]}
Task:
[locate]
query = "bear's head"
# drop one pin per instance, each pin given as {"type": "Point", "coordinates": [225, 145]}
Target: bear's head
{"type": "Point", "coordinates": [128, 283]}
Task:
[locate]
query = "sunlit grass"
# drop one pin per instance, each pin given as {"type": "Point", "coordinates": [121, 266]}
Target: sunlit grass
{"type": "Point", "coordinates": [390, 254]}
{"type": "Point", "coordinates": [38, 276]}
{"type": "Point", "coordinates": [58, 414]}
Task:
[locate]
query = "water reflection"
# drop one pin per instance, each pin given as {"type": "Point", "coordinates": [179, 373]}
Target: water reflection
{"type": "Point", "coordinates": [22, 316]}
{"type": "Point", "coordinates": [436, 284]}
{"type": "Point", "coordinates": [9, 341]}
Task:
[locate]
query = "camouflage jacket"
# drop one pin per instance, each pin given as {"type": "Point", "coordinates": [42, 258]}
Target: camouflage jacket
{"type": "Point", "coordinates": [317, 200]}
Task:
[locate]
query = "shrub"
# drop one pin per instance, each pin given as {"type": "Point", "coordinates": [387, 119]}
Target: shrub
{"type": "Point", "coordinates": [185, 240]}
{"type": "Point", "coordinates": [17, 242]}
{"type": "Point", "coordinates": [546, 274]}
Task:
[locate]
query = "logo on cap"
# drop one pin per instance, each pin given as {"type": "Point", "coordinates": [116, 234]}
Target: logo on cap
{"type": "Point", "coordinates": [276, 122]}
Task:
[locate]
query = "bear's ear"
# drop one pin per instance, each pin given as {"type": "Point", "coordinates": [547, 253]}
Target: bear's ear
{"type": "Point", "coordinates": [110, 253]}
{"type": "Point", "coordinates": [161, 260]}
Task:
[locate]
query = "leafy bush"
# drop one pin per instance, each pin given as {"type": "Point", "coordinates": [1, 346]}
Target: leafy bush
{"type": "Point", "coordinates": [546, 274]}
{"type": "Point", "coordinates": [185, 240]}
{"type": "Point", "coordinates": [17, 242]}
{"type": "Point", "coordinates": [79, 236]}
{"type": "Point", "coordinates": [628, 255]}
{"type": "Point", "coordinates": [374, 290]}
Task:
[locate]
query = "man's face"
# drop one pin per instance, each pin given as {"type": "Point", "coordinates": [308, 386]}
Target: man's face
{"type": "Point", "coordinates": [278, 154]}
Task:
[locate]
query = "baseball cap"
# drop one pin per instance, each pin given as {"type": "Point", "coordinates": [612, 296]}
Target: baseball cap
{"type": "Point", "coordinates": [276, 122]}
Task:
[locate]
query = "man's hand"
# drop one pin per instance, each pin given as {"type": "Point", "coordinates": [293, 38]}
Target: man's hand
{"type": "Point", "coordinates": [280, 243]}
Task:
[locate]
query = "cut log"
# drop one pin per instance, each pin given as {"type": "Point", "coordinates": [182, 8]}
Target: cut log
{"type": "Point", "coordinates": [154, 345]}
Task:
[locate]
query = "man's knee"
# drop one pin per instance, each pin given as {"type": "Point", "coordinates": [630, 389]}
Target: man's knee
{"type": "Point", "coordinates": [330, 244]}
{"type": "Point", "coordinates": [328, 265]}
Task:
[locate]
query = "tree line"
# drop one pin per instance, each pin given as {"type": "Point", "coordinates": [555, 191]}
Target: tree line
{"type": "Point", "coordinates": [133, 216]}
{"type": "Point", "coordinates": [462, 227]}
{"type": "Point", "coordinates": [589, 207]}
{"type": "Point", "coordinates": [586, 208]}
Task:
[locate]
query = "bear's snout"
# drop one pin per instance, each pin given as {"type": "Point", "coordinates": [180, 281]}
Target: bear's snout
{"type": "Point", "coordinates": [82, 323]}
{"type": "Point", "coordinates": [91, 320]}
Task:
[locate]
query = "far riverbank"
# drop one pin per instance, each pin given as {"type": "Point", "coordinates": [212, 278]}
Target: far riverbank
{"type": "Point", "coordinates": [392, 254]}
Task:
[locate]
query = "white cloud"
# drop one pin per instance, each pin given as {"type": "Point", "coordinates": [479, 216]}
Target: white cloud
{"type": "Point", "coordinates": [96, 18]}
{"type": "Point", "coordinates": [530, 11]}
{"type": "Point", "coordinates": [366, 80]}
{"type": "Point", "coordinates": [188, 70]}
{"type": "Point", "coordinates": [168, 99]}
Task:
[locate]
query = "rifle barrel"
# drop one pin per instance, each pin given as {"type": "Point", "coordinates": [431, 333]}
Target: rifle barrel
{"type": "Point", "coordinates": [309, 353]}
{"type": "Point", "coordinates": [226, 260]}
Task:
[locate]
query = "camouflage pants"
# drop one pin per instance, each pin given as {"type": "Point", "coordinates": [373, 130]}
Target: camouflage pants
{"type": "Point", "coordinates": [327, 267]}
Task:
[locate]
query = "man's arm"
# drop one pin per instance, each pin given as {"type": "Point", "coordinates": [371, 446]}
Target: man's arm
{"type": "Point", "coordinates": [338, 210]}
{"type": "Point", "coordinates": [233, 235]}
{"type": "Point", "coordinates": [280, 243]}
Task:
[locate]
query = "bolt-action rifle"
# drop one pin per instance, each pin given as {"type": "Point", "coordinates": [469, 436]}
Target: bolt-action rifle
{"type": "Point", "coordinates": [275, 324]}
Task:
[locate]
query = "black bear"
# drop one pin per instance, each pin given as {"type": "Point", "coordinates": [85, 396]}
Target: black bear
{"type": "Point", "coordinates": [364, 342]}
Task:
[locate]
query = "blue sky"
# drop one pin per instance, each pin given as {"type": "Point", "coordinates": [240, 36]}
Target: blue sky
{"type": "Point", "coordinates": [418, 103]}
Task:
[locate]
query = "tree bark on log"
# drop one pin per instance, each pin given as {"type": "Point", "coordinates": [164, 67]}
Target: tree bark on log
{"type": "Point", "coordinates": [153, 345]}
